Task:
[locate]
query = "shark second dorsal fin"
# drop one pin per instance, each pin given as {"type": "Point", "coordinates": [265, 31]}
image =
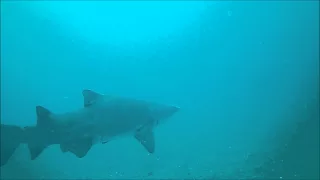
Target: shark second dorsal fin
{"type": "Point", "coordinates": [90, 97]}
{"type": "Point", "coordinates": [43, 117]}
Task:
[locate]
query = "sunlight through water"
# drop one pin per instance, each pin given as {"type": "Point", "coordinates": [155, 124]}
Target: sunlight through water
{"type": "Point", "coordinates": [123, 22]}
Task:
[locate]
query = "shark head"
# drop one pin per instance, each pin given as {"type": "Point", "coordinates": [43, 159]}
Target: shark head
{"type": "Point", "coordinates": [163, 112]}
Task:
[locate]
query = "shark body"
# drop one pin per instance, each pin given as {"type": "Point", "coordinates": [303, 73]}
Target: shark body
{"type": "Point", "coordinates": [101, 119]}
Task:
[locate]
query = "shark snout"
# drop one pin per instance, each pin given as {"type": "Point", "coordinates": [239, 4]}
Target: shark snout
{"type": "Point", "coordinates": [175, 109]}
{"type": "Point", "coordinates": [172, 110]}
{"type": "Point", "coordinates": [164, 111]}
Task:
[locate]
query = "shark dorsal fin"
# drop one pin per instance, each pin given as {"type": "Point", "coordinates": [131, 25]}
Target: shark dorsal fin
{"type": "Point", "coordinates": [90, 97]}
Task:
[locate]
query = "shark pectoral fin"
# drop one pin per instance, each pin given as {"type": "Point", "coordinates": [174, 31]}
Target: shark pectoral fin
{"type": "Point", "coordinates": [79, 147]}
{"type": "Point", "coordinates": [90, 97]}
{"type": "Point", "coordinates": [146, 137]}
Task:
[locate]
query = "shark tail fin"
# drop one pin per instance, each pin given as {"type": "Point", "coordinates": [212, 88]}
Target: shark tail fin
{"type": "Point", "coordinates": [41, 132]}
{"type": "Point", "coordinates": [11, 137]}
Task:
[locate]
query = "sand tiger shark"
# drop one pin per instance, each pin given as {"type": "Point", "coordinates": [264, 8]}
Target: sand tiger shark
{"type": "Point", "coordinates": [101, 119]}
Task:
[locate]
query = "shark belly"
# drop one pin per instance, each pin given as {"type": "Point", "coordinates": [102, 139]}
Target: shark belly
{"type": "Point", "coordinates": [119, 118]}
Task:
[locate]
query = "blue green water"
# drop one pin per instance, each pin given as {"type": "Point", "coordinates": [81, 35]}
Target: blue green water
{"type": "Point", "coordinates": [245, 74]}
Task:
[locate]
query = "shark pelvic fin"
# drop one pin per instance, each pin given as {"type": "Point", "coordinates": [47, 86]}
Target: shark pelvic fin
{"type": "Point", "coordinates": [35, 149]}
{"type": "Point", "coordinates": [79, 147]}
{"type": "Point", "coordinates": [145, 136]}
{"type": "Point", "coordinates": [90, 97]}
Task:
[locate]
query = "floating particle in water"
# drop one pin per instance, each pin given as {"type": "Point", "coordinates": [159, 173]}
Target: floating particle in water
{"type": "Point", "coordinates": [229, 13]}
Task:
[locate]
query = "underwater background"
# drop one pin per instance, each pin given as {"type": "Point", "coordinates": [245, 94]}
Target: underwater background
{"type": "Point", "coordinates": [245, 75]}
